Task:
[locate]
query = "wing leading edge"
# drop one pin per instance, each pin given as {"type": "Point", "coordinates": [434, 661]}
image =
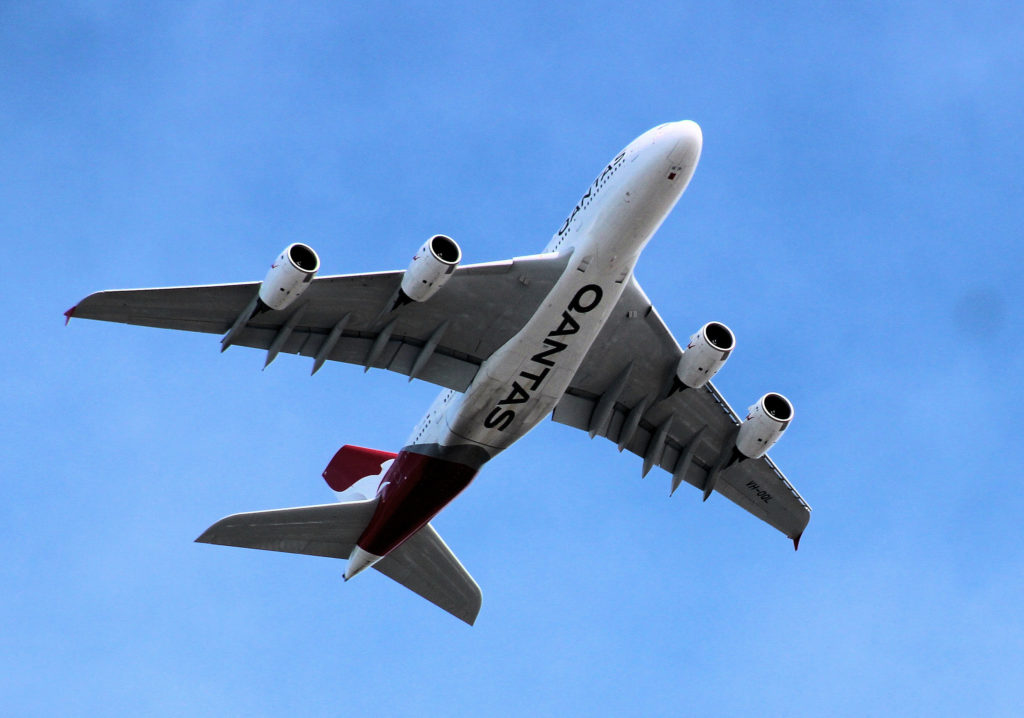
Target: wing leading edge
{"type": "Point", "coordinates": [626, 396]}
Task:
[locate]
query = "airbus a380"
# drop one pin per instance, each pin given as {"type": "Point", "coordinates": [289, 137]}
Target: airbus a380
{"type": "Point", "coordinates": [568, 332]}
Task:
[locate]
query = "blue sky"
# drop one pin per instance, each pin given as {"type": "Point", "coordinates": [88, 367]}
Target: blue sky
{"type": "Point", "coordinates": [856, 219]}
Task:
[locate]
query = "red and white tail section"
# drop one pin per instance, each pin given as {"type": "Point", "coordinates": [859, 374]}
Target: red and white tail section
{"type": "Point", "coordinates": [355, 473]}
{"type": "Point", "coordinates": [423, 563]}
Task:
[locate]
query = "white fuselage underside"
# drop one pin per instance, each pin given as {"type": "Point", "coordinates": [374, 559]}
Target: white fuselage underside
{"type": "Point", "coordinates": [523, 380]}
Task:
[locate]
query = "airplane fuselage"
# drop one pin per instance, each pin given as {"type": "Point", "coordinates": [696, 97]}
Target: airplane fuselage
{"type": "Point", "coordinates": [521, 382]}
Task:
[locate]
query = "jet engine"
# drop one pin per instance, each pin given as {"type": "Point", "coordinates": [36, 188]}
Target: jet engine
{"type": "Point", "coordinates": [765, 422]}
{"type": "Point", "coordinates": [705, 355]}
{"type": "Point", "coordinates": [289, 276]}
{"type": "Point", "coordinates": [431, 266]}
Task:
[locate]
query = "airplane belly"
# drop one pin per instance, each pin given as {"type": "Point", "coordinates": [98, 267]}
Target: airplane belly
{"type": "Point", "coordinates": [524, 379]}
{"type": "Point", "coordinates": [503, 409]}
{"type": "Point", "coordinates": [521, 383]}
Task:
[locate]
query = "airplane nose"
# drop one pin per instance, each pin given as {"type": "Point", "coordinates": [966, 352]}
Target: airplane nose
{"type": "Point", "coordinates": [688, 143]}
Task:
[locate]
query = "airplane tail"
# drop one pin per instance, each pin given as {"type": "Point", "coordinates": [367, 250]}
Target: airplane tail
{"type": "Point", "coordinates": [355, 473]}
{"type": "Point", "coordinates": [423, 563]}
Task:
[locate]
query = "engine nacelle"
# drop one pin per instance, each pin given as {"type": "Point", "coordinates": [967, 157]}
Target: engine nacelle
{"type": "Point", "coordinates": [765, 422]}
{"type": "Point", "coordinates": [431, 266]}
{"type": "Point", "coordinates": [289, 276]}
{"type": "Point", "coordinates": [705, 355]}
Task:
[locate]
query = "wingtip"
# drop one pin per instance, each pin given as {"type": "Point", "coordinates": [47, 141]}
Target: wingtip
{"type": "Point", "coordinates": [469, 614]}
{"type": "Point", "coordinates": [68, 314]}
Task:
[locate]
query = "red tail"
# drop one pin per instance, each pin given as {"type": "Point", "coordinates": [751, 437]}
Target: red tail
{"type": "Point", "coordinates": [352, 463]}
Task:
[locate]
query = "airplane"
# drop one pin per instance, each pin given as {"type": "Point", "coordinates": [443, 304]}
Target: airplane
{"type": "Point", "coordinates": [568, 332]}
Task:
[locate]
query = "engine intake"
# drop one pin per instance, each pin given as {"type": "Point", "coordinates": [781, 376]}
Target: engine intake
{"type": "Point", "coordinates": [431, 266]}
{"type": "Point", "coordinates": [765, 422]}
{"type": "Point", "coordinates": [289, 276]}
{"type": "Point", "coordinates": [706, 353]}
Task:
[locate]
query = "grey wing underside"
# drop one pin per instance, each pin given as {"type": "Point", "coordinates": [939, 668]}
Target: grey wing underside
{"type": "Point", "coordinates": [347, 318]}
{"type": "Point", "coordinates": [624, 391]}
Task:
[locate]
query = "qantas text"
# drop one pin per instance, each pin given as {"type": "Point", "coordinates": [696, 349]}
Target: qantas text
{"type": "Point", "coordinates": [502, 415]}
{"type": "Point", "coordinates": [592, 190]}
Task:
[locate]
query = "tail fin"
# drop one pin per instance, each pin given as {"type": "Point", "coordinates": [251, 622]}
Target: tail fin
{"type": "Point", "coordinates": [350, 466]}
{"type": "Point", "coordinates": [423, 563]}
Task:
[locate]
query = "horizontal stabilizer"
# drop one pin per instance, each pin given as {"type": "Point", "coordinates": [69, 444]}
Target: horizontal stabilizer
{"type": "Point", "coordinates": [425, 565]}
{"type": "Point", "coordinates": [329, 530]}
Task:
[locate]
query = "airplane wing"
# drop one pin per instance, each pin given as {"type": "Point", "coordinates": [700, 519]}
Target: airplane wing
{"type": "Point", "coordinates": [623, 391]}
{"type": "Point", "coordinates": [345, 318]}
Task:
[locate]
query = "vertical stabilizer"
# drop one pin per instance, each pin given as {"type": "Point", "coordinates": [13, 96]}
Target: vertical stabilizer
{"type": "Point", "coordinates": [355, 473]}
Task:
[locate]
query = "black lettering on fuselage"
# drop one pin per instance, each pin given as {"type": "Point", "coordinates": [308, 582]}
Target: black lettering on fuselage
{"type": "Point", "coordinates": [585, 300]}
{"type": "Point", "coordinates": [542, 357]}
{"type": "Point", "coordinates": [592, 190]}
{"type": "Point", "coordinates": [518, 395]}
{"type": "Point", "coordinates": [567, 326]}
{"type": "Point", "coordinates": [499, 419]}
{"type": "Point", "coordinates": [535, 378]}
{"type": "Point", "coordinates": [576, 304]}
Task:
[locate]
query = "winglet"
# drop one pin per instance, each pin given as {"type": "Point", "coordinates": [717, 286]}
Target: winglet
{"type": "Point", "coordinates": [68, 314]}
{"type": "Point", "coordinates": [796, 542]}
